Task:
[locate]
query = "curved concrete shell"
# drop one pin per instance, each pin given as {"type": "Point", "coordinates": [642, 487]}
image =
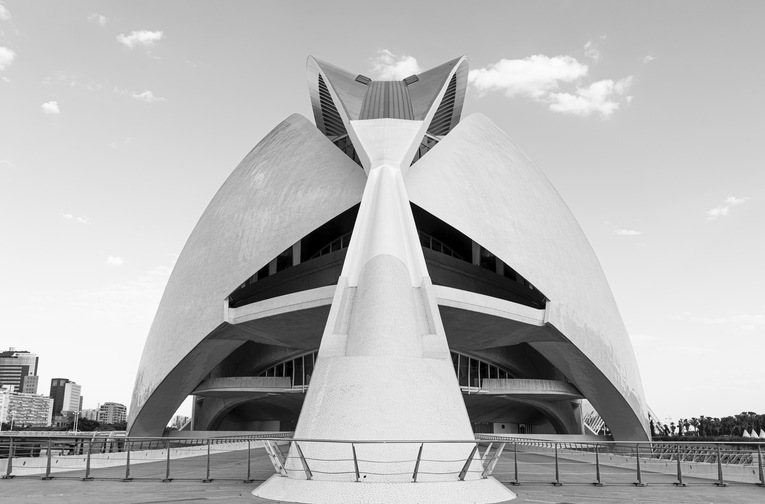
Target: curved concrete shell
{"type": "Point", "coordinates": [389, 245]}
{"type": "Point", "coordinates": [292, 182]}
{"type": "Point", "coordinates": [478, 181]}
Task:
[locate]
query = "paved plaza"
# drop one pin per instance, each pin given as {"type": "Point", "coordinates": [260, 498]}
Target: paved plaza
{"type": "Point", "coordinates": [228, 470]}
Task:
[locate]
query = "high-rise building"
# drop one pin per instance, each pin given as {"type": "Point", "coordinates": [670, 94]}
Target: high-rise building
{"type": "Point", "coordinates": [112, 413]}
{"type": "Point", "coordinates": [18, 369]}
{"type": "Point", "coordinates": [66, 396]}
{"type": "Point", "coordinates": [72, 398]}
{"type": "Point", "coordinates": [25, 409]}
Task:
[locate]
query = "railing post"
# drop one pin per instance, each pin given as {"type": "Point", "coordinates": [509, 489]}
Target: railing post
{"type": "Point", "coordinates": [759, 463]}
{"type": "Point", "coordinates": [47, 466]}
{"type": "Point", "coordinates": [515, 465]}
{"type": "Point", "coordinates": [249, 463]}
{"type": "Point", "coordinates": [493, 462]}
{"type": "Point", "coordinates": [639, 472]}
{"type": "Point", "coordinates": [557, 469]}
{"type": "Point", "coordinates": [87, 463]}
{"type": "Point", "coordinates": [465, 468]}
{"type": "Point", "coordinates": [9, 467]}
{"type": "Point", "coordinates": [679, 469]}
{"type": "Point", "coordinates": [356, 463]}
{"type": "Point", "coordinates": [597, 467]}
{"type": "Point", "coordinates": [127, 462]}
{"type": "Point", "coordinates": [167, 466]}
{"type": "Point", "coordinates": [308, 473]}
{"type": "Point", "coordinates": [720, 481]}
{"type": "Point", "coordinates": [207, 474]}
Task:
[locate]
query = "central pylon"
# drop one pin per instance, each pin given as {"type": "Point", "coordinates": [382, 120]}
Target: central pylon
{"type": "Point", "coordinates": [384, 370]}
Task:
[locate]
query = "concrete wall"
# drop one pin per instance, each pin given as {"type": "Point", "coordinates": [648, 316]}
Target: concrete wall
{"type": "Point", "coordinates": [477, 181]}
{"type": "Point", "coordinates": [293, 181]}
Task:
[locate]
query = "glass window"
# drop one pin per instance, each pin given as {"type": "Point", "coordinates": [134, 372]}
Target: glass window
{"type": "Point", "coordinates": [488, 261]}
{"type": "Point", "coordinates": [473, 373]}
{"type": "Point", "coordinates": [284, 260]}
{"type": "Point", "coordinates": [462, 376]}
{"type": "Point", "coordinates": [308, 368]}
{"type": "Point", "coordinates": [298, 381]}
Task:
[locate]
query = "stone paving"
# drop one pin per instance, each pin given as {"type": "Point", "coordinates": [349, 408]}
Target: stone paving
{"type": "Point", "coordinates": [187, 485]}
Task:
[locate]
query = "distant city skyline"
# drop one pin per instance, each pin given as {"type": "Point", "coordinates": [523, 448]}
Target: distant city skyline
{"type": "Point", "coordinates": [117, 125]}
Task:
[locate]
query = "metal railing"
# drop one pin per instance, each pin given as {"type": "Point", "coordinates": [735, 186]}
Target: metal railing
{"type": "Point", "coordinates": [512, 460]}
{"type": "Point", "coordinates": [78, 456]}
{"type": "Point", "coordinates": [641, 462]}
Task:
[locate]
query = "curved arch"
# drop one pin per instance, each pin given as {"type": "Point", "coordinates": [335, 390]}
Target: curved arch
{"type": "Point", "coordinates": [292, 182]}
{"type": "Point", "coordinates": [540, 239]}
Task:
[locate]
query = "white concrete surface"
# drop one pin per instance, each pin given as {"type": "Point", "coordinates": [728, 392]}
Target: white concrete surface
{"type": "Point", "coordinates": [328, 492]}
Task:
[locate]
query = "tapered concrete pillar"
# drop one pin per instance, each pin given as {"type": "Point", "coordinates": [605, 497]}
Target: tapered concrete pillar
{"type": "Point", "coordinates": [384, 370]}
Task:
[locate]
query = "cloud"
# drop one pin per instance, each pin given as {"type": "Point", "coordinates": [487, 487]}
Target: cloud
{"type": "Point", "coordinates": [388, 66]}
{"type": "Point", "coordinates": [5, 162]}
{"type": "Point", "coordinates": [5, 14]}
{"type": "Point", "coordinates": [50, 107]}
{"type": "Point", "coordinates": [592, 52]}
{"type": "Point", "coordinates": [648, 58]}
{"type": "Point", "coordinates": [603, 97]}
{"type": "Point", "coordinates": [722, 210]}
{"type": "Point", "coordinates": [81, 220]}
{"type": "Point", "coordinates": [98, 19]}
{"type": "Point", "coordinates": [6, 57]}
{"type": "Point", "coordinates": [627, 232]}
{"type": "Point", "coordinates": [146, 96]}
{"type": "Point", "coordinates": [533, 77]}
{"type": "Point", "coordinates": [142, 37]}
{"type": "Point", "coordinates": [114, 261]}
{"type": "Point", "coordinates": [543, 78]}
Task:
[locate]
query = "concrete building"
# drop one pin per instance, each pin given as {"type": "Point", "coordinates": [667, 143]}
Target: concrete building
{"type": "Point", "coordinates": [112, 413]}
{"type": "Point", "coordinates": [18, 369]}
{"type": "Point", "coordinates": [89, 414]}
{"type": "Point", "coordinates": [393, 272]}
{"type": "Point", "coordinates": [21, 409]}
{"type": "Point", "coordinates": [66, 395]}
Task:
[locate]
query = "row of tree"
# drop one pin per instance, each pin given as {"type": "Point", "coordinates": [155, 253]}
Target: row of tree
{"type": "Point", "coordinates": [705, 426]}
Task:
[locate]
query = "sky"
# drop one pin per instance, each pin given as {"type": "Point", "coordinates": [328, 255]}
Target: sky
{"type": "Point", "coordinates": [120, 120]}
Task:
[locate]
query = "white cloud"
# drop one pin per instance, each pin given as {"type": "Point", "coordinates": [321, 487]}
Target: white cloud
{"type": "Point", "coordinates": [543, 79]}
{"type": "Point", "coordinates": [534, 76]}
{"type": "Point", "coordinates": [603, 97]}
{"type": "Point", "coordinates": [388, 66]}
{"type": "Point", "coordinates": [648, 58]}
{"type": "Point", "coordinates": [98, 19]}
{"type": "Point", "coordinates": [50, 107]}
{"type": "Point", "coordinates": [5, 162]}
{"type": "Point", "coordinates": [71, 217]}
{"type": "Point", "coordinates": [6, 57]}
{"type": "Point", "coordinates": [142, 37]}
{"type": "Point", "coordinates": [722, 210]}
{"type": "Point", "coordinates": [592, 52]}
{"type": "Point", "coordinates": [114, 261]}
{"type": "Point", "coordinates": [146, 96]}
{"type": "Point", "coordinates": [627, 232]}
{"type": "Point", "coordinates": [5, 14]}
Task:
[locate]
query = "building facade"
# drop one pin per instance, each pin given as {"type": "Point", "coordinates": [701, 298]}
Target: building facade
{"type": "Point", "coordinates": [28, 410]}
{"type": "Point", "coordinates": [112, 413]}
{"type": "Point", "coordinates": [392, 257]}
{"type": "Point", "coordinates": [66, 395]}
{"type": "Point", "coordinates": [18, 369]}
